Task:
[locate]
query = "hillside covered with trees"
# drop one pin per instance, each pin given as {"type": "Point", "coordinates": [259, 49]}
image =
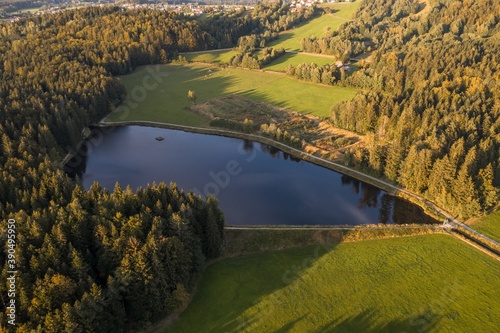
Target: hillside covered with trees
{"type": "Point", "coordinates": [431, 103]}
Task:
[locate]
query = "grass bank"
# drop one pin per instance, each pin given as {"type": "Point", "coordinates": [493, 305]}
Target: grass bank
{"type": "Point", "coordinates": [421, 283]}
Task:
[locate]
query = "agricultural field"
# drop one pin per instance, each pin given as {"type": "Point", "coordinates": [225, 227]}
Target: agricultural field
{"type": "Point", "coordinates": [489, 225]}
{"type": "Point", "coordinates": [298, 58]}
{"type": "Point", "coordinates": [290, 40]}
{"type": "Point", "coordinates": [211, 56]}
{"type": "Point", "coordinates": [167, 101]}
{"type": "Point", "coordinates": [344, 10]}
{"type": "Point", "coordinates": [413, 284]}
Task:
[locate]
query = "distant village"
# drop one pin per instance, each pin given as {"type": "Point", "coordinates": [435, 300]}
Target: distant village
{"type": "Point", "coordinates": [188, 8]}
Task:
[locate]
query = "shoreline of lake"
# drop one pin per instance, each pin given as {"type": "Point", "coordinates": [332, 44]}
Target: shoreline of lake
{"type": "Point", "coordinates": [430, 209]}
{"type": "Point", "coordinates": [155, 157]}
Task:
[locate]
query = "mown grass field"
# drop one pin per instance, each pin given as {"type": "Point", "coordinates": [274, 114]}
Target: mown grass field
{"type": "Point", "coordinates": [290, 40]}
{"type": "Point", "coordinates": [344, 9]}
{"type": "Point", "coordinates": [211, 56]}
{"type": "Point", "coordinates": [167, 101]}
{"type": "Point", "coordinates": [489, 225]}
{"type": "Point", "coordinates": [297, 58]}
{"type": "Point", "coordinates": [415, 284]}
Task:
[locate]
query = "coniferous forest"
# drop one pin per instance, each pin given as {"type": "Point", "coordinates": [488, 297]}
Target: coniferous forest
{"type": "Point", "coordinates": [102, 261]}
{"type": "Point", "coordinates": [432, 107]}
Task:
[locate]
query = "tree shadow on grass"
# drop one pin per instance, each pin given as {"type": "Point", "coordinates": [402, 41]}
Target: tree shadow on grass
{"type": "Point", "coordinates": [281, 60]}
{"type": "Point", "coordinates": [292, 96]}
{"type": "Point", "coordinates": [288, 326]}
{"type": "Point", "coordinates": [366, 322]}
{"type": "Point", "coordinates": [264, 286]}
{"type": "Point", "coordinates": [245, 325]}
{"type": "Point", "coordinates": [274, 277]}
{"type": "Point", "coordinates": [263, 97]}
{"type": "Point", "coordinates": [283, 38]}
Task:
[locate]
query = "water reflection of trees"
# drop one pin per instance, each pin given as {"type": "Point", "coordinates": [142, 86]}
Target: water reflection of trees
{"type": "Point", "coordinates": [248, 146]}
{"type": "Point", "coordinates": [277, 153]}
{"type": "Point", "coordinates": [398, 211]}
{"type": "Point", "coordinates": [392, 209]}
{"type": "Point", "coordinates": [385, 214]}
{"type": "Point", "coordinates": [368, 193]}
{"type": "Point", "coordinates": [407, 212]}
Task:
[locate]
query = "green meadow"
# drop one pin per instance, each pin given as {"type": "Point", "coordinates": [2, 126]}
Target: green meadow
{"type": "Point", "coordinates": [297, 58]}
{"type": "Point", "coordinates": [489, 225]}
{"type": "Point", "coordinates": [167, 102]}
{"type": "Point", "coordinates": [343, 12]}
{"type": "Point", "coordinates": [413, 284]}
{"type": "Point", "coordinates": [211, 56]}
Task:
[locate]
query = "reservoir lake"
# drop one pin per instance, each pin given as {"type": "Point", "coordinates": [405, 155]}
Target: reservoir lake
{"type": "Point", "coordinates": [256, 184]}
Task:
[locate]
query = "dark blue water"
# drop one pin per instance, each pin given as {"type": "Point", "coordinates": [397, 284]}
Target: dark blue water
{"type": "Point", "coordinates": [255, 183]}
